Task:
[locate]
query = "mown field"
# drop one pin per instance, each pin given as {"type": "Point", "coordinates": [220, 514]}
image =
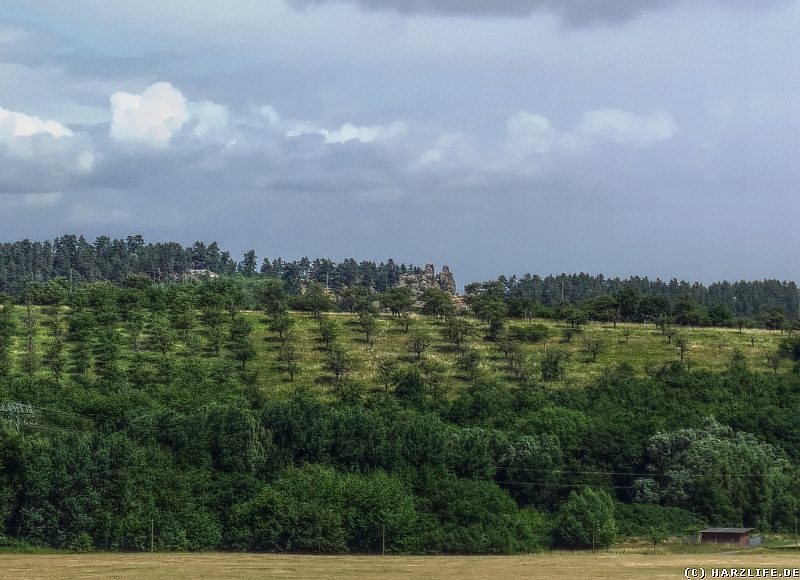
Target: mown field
{"type": "Point", "coordinates": [611, 565]}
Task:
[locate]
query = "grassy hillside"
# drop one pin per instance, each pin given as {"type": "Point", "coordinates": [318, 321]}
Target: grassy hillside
{"type": "Point", "coordinates": [644, 347]}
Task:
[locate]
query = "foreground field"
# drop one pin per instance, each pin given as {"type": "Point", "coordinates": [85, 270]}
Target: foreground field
{"type": "Point", "coordinates": [553, 565]}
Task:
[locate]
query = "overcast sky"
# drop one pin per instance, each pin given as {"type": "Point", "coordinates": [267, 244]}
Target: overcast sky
{"type": "Point", "coordinates": [651, 137]}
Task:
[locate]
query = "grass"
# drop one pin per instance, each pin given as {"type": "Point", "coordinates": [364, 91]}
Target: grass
{"type": "Point", "coordinates": [615, 564]}
{"type": "Point", "coordinates": [641, 346]}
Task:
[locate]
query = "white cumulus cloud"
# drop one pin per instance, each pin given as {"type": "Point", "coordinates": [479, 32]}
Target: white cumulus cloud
{"type": "Point", "coordinates": [160, 112]}
{"type": "Point", "coordinates": [628, 128]}
{"type": "Point", "coordinates": [151, 117]}
{"type": "Point", "coordinates": [14, 124]}
{"type": "Point", "coordinates": [365, 134]}
{"type": "Point", "coordinates": [36, 152]}
{"type": "Point", "coordinates": [210, 117]}
{"type": "Point", "coordinates": [347, 132]}
{"type": "Point", "coordinates": [530, 133]}
{"type": "Point", "coordinates": [451, 150]}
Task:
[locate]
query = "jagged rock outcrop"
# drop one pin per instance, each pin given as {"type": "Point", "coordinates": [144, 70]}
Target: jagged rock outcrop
{"type": "Point", "coordinates": [428, 278]}
{"type": "Point", "coordinates": [446, 280]}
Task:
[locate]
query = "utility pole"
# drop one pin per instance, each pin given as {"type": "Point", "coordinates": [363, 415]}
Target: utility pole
{"type": "Point", "coordinates": [383, 538]}
{"type": "Point", "coordinates": [151, 535]}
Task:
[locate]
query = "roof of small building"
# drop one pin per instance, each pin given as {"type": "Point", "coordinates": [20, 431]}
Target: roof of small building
{"type": "Point", "coordinates": [726, 530]}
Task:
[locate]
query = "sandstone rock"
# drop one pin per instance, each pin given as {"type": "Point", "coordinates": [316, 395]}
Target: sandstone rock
{"type": "Point", "coordinates": [428, 278]}
{"type": "Point", "coordinates": [446, 280]}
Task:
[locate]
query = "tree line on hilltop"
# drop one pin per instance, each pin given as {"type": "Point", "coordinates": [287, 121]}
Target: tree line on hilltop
{"type": "Point", "coordinates": [26, 266]}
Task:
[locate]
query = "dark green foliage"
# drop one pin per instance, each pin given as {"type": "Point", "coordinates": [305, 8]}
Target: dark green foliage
{"type": "Point", "coordinates": [281, 324]}
{"type": "Point", "coordinates": [469, 361]}
{"type": "Point", "coordinates": [473, 517]}
{"type": "Point", "coordinates": [315, 509]}
{"type": "Point", "coordinates": [437, 302]}
{"type": "Point", "coordinates": [328, 331]}
{"type": "Point", "coordinates": [369, 325]}
{"type": "Point", "coordinates": [160, 336]}
{"type": "Point", "coordinates": [552, 365]}
{"type": "Point", "coordinates": [409, 385]}
{"type": "Point", "coordinates": [586, 520]}
{"type": "Point", "coordinates": [641, 299]}
{"type": "Point", "coordinates": [239, 342]}
{"type": "Point", "coordinates": [137, 428]}
{"type": "Point", "coordinates": [456, 331]}
{"type": "Point", "coordinates": [315, 300]}
{"type": "Point", "coordinates": [7, 330]}
{"type": "Point", "coordinates": [418, 342]}
{"type": "Point", "coordinates": [640, 519]}
{"type": "Point", "coordinates": [538, 460]}
{"type": "Point", "coordinates": [790, 348]}
{"type": "Point", "coordinates": [723, 475]}
{"type": "Point", "coordinates": [289, 357]}
{"type": "Point", "coordinates": [397, 300]}
{"type": "Point", "coordinates": [530, 332]}
{"type": "Point", "coordinates": [339, 362]}
{"type": "Point", "coordinates": [55, 356]}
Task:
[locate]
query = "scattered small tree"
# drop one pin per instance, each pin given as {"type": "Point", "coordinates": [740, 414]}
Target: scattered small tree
{"type": "Point", "coordinates": [55, 354]}
{"type": "Point", "coordinates": [456, 331]}
{"type": "Point", "coordinates": [469, 362]}
{"type": "Point", "coordinates": [656, 535]}
{"type": "Point", "coordinates": [30, 360]}
{"type": "Point", "coordinates": [318, 301]}
{"type": "Point", "coordinates": [239, 342]}
{"type": "Point", "coordinates": [339, 362]}
{"type": "Point", "coordinates": [552, 365]}
{"type": "Point", "coordinates": [369, 325]}
{"type": "Point", "coordinates": [7, 329]}
{"type": "Point", "coordinates": [289, 356]}
{"type": "Point", "coordinates": [593, 347]}
{"type": "Point", "coordinates": [418, 342]}
{"type": "Point", "coordinates": [386, 371]}
{"type": "Point", "coordinates": [682, 346]}
{"type": "Point", "coordinates": [280, 324]}
{"type": "Point", "coordinates": [328, 331]}
{"type": "Point", "coordinates": [773, 361]}
{"type": "Point", "coordinates": [405, 320]}
{"type": "Point", "coordinates": [398, 300]}
{"type": "Point", "coordinates": [436, 302]}
{"type": "Point", "coordinates": [568, 333]}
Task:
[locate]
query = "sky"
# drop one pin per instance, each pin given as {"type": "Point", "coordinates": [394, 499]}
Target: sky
{"type": "Point", "coordinates": [623, 137]}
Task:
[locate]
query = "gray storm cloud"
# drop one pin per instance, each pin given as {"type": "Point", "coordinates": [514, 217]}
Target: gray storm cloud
{"type": "Point", "coordinates": [654, 137]}
{"type": "Point", "coordinates": [571, 12]}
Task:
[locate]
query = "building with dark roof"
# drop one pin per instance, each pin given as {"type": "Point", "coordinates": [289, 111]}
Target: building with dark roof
{"type": "Point", "coordinates": [735, 536]}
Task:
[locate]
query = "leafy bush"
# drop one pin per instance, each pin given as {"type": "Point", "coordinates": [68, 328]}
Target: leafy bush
{"type": "Point", "coordinates": [586, 520]}
{"type": "Point", "coordinates": [638, 519]}
{"type": "Point", "coordinates": [531, 332]}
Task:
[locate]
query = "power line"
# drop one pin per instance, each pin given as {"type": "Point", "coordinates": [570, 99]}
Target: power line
{"type": "Point", "coordinates": [562, 485]}
{"type": "Point", "coordinates": [630, 473]}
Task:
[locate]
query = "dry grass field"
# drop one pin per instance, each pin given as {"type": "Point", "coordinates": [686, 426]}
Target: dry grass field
{"type": "Point", "coordinates": [616, 565]}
